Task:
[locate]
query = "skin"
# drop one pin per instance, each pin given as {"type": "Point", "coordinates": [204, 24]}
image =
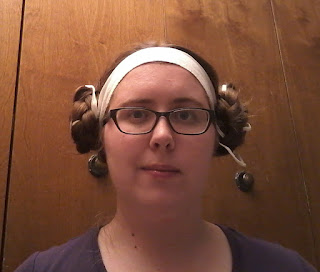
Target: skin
{"type": "Point", "coordinates": [159, 179]}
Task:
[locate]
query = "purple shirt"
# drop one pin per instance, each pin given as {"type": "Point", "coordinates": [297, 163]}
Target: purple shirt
{"type": "Point", "coordinates": [82, 254]}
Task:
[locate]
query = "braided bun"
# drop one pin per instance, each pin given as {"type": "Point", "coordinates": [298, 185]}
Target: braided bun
{"type": "Point", "coordinates": [84, 124]}
{"type": "Point", "coordinates": [232, 117]}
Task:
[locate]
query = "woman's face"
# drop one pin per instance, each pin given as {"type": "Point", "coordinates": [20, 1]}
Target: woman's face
{"type": "Point", "coordinates": [160, 167]}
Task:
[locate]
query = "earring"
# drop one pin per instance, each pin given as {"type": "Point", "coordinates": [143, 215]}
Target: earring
{"type": "Point", "coordinates": [96, 167]}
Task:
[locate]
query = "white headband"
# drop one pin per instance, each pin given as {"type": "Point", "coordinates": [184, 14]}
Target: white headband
{"type": "Point", "coordinates": [156, 54]}
{"type": "Point", "coordinates": [147, 55]}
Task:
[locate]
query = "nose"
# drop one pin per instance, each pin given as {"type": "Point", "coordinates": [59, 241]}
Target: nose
{"type": "Point", "coordinates": [162, 136]}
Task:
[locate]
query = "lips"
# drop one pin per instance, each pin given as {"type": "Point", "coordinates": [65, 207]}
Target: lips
{"type": "Point", "coordinates": [161, 171]}
{"type": "Point", "coordinates": [161, 168]}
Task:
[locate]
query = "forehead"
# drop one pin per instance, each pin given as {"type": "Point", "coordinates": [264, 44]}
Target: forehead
{"type": "Point", "coordinates": [159, 81]}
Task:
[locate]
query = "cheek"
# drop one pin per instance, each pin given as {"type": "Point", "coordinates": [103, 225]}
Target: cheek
{"type": "Point", "coordinates": [201, 153]}
{"type": "Point", "coordinates": [121, 150]}
{"type": "Point", "coordinates": [113, 148]}
{"type": "Point", "coordinates": [204, 145]}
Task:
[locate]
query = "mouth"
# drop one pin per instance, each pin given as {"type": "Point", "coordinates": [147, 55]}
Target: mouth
{"type": "Point", "coordinates": [161, 170]}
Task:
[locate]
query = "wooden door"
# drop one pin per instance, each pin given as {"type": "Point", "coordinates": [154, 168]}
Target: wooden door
{"type": "Point", "coordinates": [10, 21]}
{"type": "Point", "coordinates": [52, 196]}
{"type": "Point", "coordinates": [297, 26]}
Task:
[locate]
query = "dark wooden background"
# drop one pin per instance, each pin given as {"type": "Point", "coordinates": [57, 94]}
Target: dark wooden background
{"type": "Point", "coordinates": [269, 48]}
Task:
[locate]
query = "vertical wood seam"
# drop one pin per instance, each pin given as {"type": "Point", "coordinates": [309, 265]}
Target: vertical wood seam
{"type": "Point", "coordinates": [165, 20]}
{"type": "Point", "coordinates": [7, 190]}
{"type": "Point", "coordinates": [293, 126]}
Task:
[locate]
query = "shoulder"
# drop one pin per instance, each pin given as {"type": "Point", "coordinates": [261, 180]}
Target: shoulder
{"type": "Point", "coordinates": [79, 254]}
{"type": "Point", "coordinates": [252, 254]}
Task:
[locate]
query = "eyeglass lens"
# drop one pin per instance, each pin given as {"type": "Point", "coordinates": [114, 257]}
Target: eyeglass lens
{"type": "Point", "coordinates": [185, 121]}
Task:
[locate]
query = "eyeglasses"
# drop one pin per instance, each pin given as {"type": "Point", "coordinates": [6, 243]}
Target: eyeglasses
{"type": "Point", "coordinates": [138, 120]}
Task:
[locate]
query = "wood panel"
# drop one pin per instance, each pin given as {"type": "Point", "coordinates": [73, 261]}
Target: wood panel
{"type": "Point", "coordinates": [298, 28]}
{"type": "Point", "coordinates": [238, 38]}
{"type": "Point", "coordinates": [65, 44]}
{"type": "Point", "coordinates": [10, 18]}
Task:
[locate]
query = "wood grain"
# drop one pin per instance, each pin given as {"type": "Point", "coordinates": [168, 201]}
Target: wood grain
{"type": "Point", "coordinates": [299, 34]}
{"type": "Point", "coordinates": [238, 38]}
{"type": "Point", "coordinates": [10, 19]}
{"type": "Point", "coordinates": [65, 44]}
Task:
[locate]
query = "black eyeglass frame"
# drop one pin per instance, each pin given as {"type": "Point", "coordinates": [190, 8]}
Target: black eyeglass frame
{"type": "Point", "coordinates": [113, 115]}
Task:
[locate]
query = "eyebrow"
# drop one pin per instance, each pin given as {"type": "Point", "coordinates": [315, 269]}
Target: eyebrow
{"type": "Point", "coordinates": [139, 101]}
{"type": "Point", "coordinates": [144, 101]}
{"type": "Point", "coordinates": [182, 100]}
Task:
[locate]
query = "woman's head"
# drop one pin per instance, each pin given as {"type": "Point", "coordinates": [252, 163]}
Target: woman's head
{"type": "Point", "coordinates": [162, 164]}
{"type": "Point", "coordinates": [230, 114]}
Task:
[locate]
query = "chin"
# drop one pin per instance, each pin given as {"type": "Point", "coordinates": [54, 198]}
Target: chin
{"type": "Point", "coordinates": [163, 198]}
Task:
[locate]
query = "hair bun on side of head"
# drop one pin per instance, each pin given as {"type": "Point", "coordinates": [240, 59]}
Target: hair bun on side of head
{"type": "Point", "coordinates": [232, 118]}
{"type": "Point", "coordinates": [84, 125]}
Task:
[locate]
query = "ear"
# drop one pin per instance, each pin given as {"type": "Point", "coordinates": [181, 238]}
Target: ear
{"type": "Point", "coordinates": [216, 143]}
{"type": "Point", "coordinates": [102, 155]}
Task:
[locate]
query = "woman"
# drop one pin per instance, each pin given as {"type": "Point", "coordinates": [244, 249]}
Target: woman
{"type": "Point", "coordinates": [158, 120]}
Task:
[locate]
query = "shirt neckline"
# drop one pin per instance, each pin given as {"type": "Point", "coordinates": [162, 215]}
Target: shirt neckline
{"type": "Point", "coordinates": [235, 252]}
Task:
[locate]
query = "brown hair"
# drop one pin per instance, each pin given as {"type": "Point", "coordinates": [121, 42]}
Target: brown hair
{"type": "Point", "coordinates": [231, 114]}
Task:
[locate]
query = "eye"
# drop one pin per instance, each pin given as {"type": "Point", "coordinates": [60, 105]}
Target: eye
{"type": "Point", "coordinates": [184, 115]}
{"type": "Point", "coordinates": [134, 115]}
{"type": "Point", "coordinates": [189, 117]}
{"type": "Point", "coordinates": [137, 114]}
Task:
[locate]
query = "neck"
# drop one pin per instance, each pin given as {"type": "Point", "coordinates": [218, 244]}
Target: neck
{"type": "Point", "coordinates": [158, 228]}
